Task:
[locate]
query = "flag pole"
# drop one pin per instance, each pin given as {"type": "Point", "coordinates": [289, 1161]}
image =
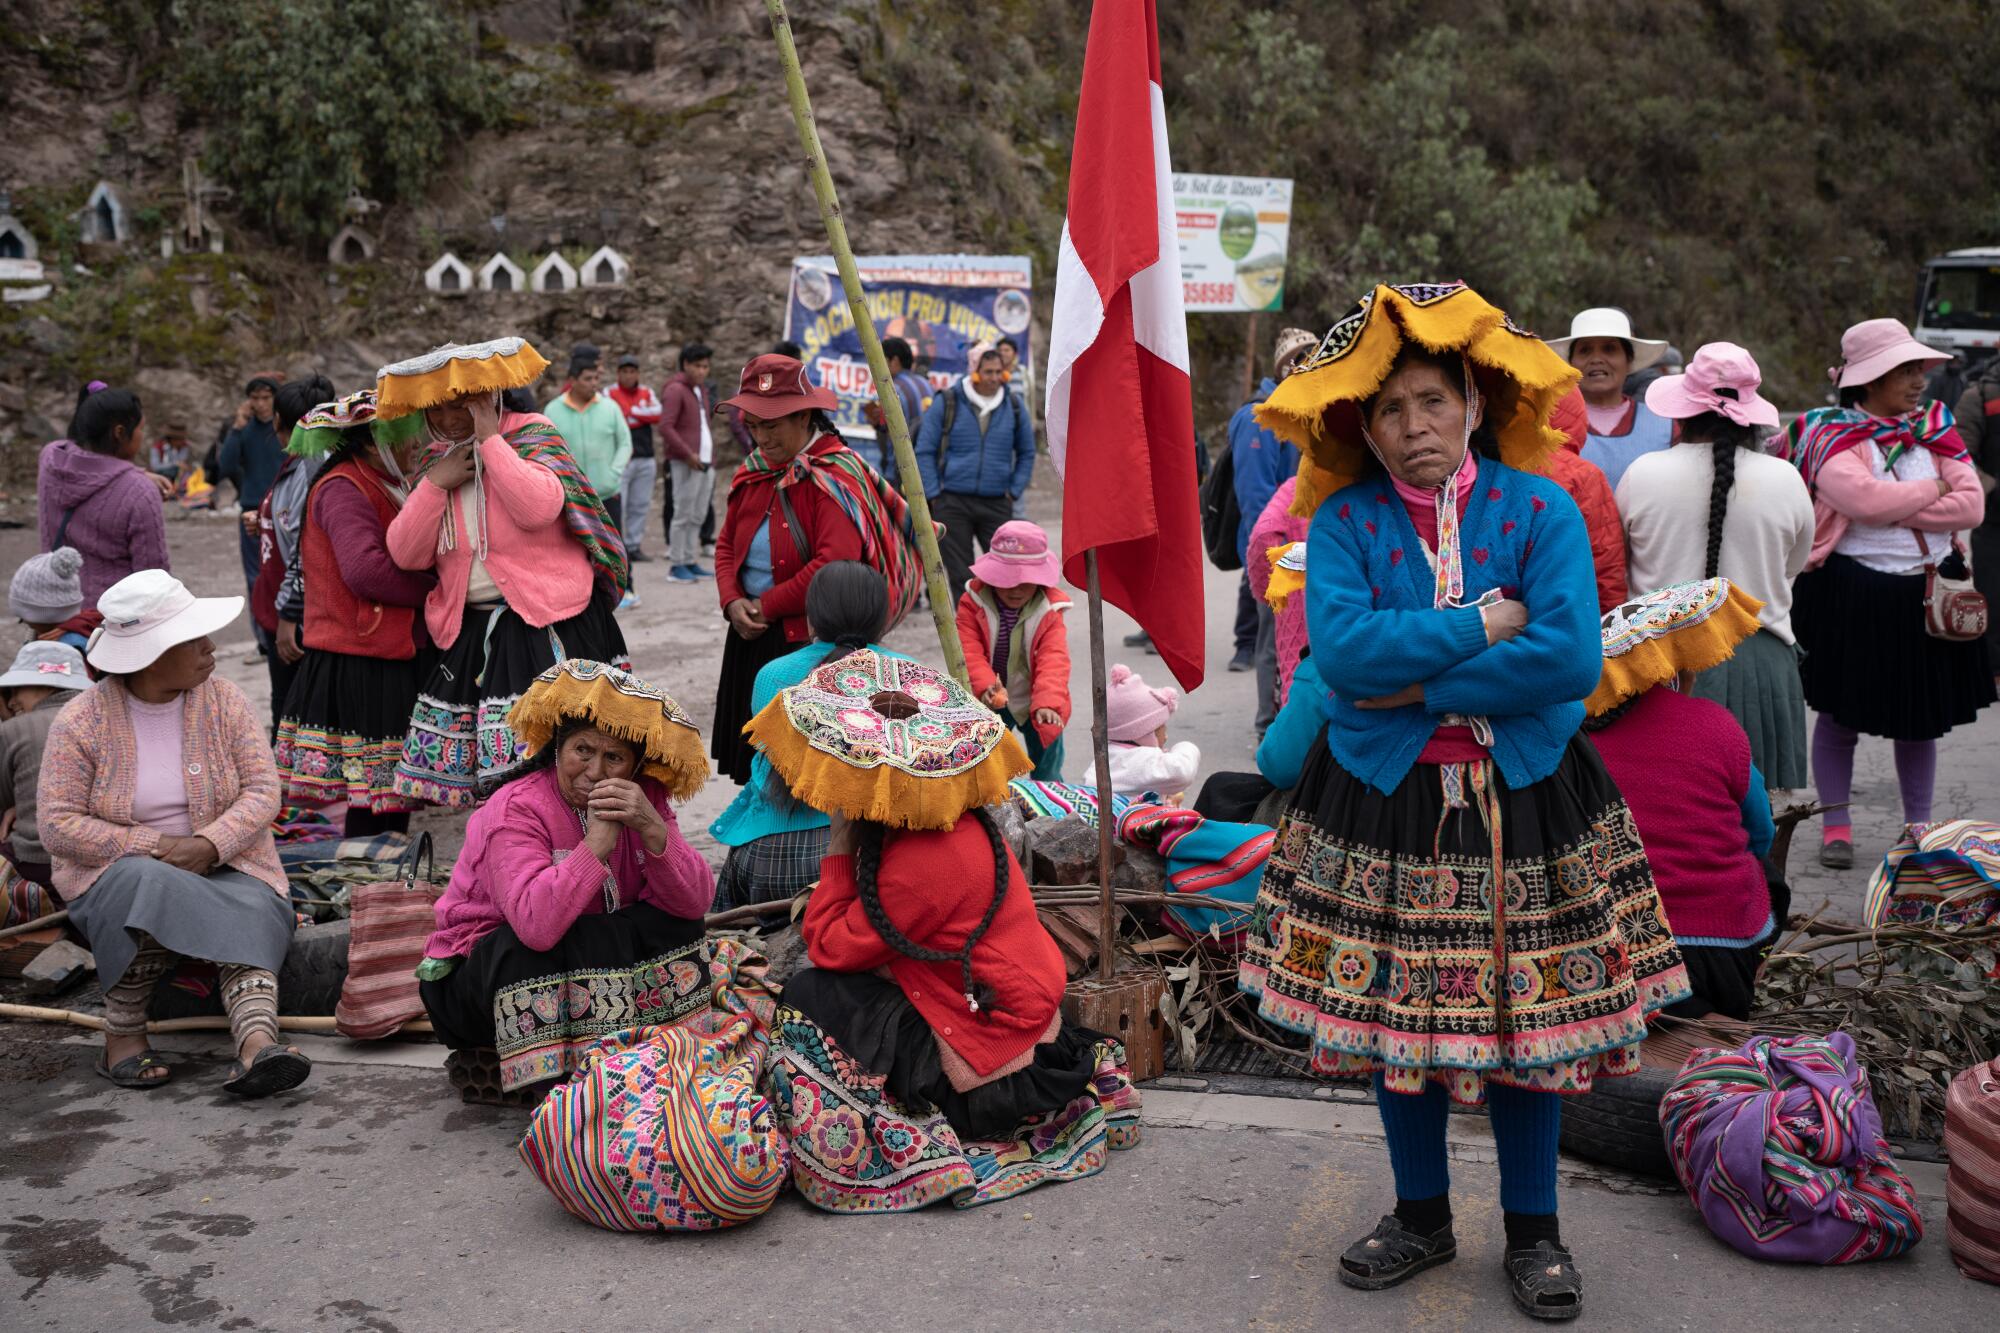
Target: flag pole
{"type": "Point", "coordinates": [1100, 744]}
{"type": "Point", "coordinates": [943, 612]}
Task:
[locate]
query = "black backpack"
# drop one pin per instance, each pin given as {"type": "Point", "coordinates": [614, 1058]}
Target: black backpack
{"type": "Point", "coordinates": [1220, 516]}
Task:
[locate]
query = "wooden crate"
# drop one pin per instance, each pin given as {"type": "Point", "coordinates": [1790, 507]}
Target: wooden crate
{"type": "Point", "coordinates": [1128, 1008]}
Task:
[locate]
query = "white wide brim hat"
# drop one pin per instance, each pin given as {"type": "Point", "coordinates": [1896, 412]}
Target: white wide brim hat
{"type": "Point", "coordinates": [149, 612]}
{"type": "Point", "coordinates": [1607, 321]}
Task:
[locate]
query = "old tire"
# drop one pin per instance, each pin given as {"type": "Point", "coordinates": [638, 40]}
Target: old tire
{"type": "Point", "coordinates": [315, 968]}
{"type": "Point", "coordinates": [1617, 1123]}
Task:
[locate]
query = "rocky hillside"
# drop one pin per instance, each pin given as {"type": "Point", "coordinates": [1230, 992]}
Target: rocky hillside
{"type": "Point", "coordinates": [1762, 171]}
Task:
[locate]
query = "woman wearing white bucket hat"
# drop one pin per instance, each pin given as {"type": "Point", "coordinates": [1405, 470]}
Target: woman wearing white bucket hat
{"type": "Point", "coordinates": [1602, 346]}
{"type": "Point", "coordinates": [1890, 483]}
{"type": "Point", "coordinates": [157, 795]}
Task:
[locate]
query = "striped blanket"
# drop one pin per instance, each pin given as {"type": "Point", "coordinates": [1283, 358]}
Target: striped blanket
{"type": "Point", "coordinates": [1827, 432]}
{"type": "Point", "coordinates": [1943, 875]}
{"type": "Point", "coordinates": [1780, 1146]}
{"type": "Point", "coordinates": [1209, 857]}
{"type": "Point", "coordinates": [1058, 800]}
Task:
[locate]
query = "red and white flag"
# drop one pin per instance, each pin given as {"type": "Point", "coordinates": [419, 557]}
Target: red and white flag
{"type": "Point", "coordinates": [1120, 409]}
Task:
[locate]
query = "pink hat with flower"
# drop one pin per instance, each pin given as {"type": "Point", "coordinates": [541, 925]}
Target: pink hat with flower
{"type": "Point", "coordinates": [1019, 553]}
{"type": "Point", "coordinates": [1722, 378]}
{"type": "Point", "coordinates": [1874, 347]}
{"type": "Point", "coordinates": [1134, 710]}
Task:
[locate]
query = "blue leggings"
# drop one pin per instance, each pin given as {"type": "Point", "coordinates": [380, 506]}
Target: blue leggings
{"type": "Point", "coordinates": [1524, 1130]}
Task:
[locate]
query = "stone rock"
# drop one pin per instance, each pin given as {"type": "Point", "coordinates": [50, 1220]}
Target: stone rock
{"type": "Point", "coordinates": [1143, 871]}
{"type": "Point", "coordinates": [786, 949]}
{"type": "Point", "coordinates": [1062, 851]}
{"type": "Point", "coordinates": [1013, 829]}
{"type": "Point", "coordinates": [57, 968]}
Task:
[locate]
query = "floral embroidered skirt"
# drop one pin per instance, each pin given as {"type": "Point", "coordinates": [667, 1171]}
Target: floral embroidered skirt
{"type": "Point", "coordinates": [542, 1009]}
{"type": "Point", "coordinates": [342, 727]}
{"type": "Point", "coordinates": [458, 747]}
{"type": "Point", "coordinates": [1377, 932]}
{"type": "Point", "coordinates": [875, 1126]}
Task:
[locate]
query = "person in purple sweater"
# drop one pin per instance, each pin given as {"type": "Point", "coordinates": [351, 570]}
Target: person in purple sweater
{"type": "Point", "coordinates": [575, 909]}
{"type": "Point", "coordinates": [92, 495]}
{"type": "Point", "coordinates": [1684, 766]}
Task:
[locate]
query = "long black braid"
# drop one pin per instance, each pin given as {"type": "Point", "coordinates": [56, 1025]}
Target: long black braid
{"type": "Point", "coordinates": [868, 860]}
{"type": "Point", "coordinates": [1724, 437]}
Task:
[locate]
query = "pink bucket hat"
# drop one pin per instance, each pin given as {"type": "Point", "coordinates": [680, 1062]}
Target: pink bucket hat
{"type": "Point", "coordinates": [1019, 554]}
{"type": "Point", "coordinates": [149, 612]}
{"type": "Point", "coordinates": [1722, 378]}
{"type": "Point", "coordinates": [1873, 348]}
{"type": "Point", "coordinates": [1134, 710]}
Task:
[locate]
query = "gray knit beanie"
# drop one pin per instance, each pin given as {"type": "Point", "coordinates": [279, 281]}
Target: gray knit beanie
{"type": "Point", "coordinates": [48, 589]}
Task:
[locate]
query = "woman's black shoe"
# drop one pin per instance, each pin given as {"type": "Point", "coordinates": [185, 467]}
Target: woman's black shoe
{"type": "Point", "coordinates": [1393, 1253]}
{"type": "Point", "coordinates": [1544, 1281]}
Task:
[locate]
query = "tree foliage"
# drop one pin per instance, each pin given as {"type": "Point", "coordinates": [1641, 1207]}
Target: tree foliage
{"type": "Point", "coordinates": [307, 101]}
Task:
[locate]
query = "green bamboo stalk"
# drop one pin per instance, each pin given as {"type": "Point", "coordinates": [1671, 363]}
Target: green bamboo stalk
{"type": "Point", "coordinates": [943, 613]}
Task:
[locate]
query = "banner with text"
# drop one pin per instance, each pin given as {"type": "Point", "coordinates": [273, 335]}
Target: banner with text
{"type": "Point", "coordinates": [942, 305]}
{"type": "Point", "coordinates": [1233, 233]}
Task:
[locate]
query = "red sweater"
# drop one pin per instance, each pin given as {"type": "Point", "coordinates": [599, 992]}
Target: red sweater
{"type": "Point", "coordinates": [1684, 766]}
{"type": "Point", "coordinates": [827, 534]}
{"type": "Point", "coordinates": [935, 888]}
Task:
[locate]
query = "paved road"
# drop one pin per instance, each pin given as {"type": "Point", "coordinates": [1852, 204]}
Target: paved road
{"type": "Point", "coordinates": [372, 1200]}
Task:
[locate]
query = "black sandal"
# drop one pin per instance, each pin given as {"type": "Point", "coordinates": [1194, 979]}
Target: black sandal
{"type": "Point", "coordinates": [1544, 1281]}
{"type": "Point", "coordinates": [131, 1072]}
{"type": "Point", "coordinates": [1393, 1253]}
{"type": "Point", "coordinates": [276, 1069]}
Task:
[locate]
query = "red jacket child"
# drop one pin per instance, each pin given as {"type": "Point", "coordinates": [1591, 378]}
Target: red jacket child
{"type": "Point", "coordinates": [1013, 592]}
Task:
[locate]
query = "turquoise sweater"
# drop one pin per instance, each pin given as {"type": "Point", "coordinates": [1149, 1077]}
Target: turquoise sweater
{"type": "Point", "coordinates": [1374, 631]}
{"type": "Point", "coordinates": [1281, 755]}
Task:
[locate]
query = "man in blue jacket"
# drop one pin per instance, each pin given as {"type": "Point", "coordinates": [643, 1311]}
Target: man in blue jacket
{"type": "Point", "coordinates": [976, 453]}
{"type": "Point", "coordinates": [1262, 462]}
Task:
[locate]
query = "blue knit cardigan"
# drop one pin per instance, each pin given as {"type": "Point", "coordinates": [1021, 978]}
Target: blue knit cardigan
{"type": "Point", "coordinates": [1369, 613]}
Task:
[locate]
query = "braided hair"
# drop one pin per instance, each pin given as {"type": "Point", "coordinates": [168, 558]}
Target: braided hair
{"type": "Point", "coordinates": [1724, 437]}
{"type": "Point", "coordinates": [868, 861]}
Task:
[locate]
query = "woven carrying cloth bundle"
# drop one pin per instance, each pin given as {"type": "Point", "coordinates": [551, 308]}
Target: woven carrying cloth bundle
{"type": "Point", "coordinates": [1779, 1144]}
{"type": "Point", "coordinates": [888, 740]}
{"type": "Point", "coordinates": [1942, 875]}
{"type": "Point", "coordinates": [1650, 640]}
{"type": "Point", "coordinates": [619, 704]}
{"type": "Point", "coordinates": [1318, 406]}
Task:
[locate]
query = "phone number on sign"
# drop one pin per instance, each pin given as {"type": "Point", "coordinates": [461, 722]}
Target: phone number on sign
{"type": "Point", "coordinates": [1207, 293]}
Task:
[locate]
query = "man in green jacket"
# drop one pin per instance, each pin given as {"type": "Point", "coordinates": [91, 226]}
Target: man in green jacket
{"type": "Point", "coordinates": [594, 428]}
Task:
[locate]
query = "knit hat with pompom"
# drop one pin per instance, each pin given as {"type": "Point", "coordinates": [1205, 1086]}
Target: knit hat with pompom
{"type": "Point", "coordinates": [47, 589]}
{"type": "Point", "coordinates": [1134, 710]}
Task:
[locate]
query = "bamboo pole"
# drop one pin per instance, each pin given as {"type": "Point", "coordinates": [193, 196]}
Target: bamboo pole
{"type": "Point", "coordinates": [1100, 744]}
{"type": "Point", "coordinates": [39, 923]}
{"type": "Point", "coordinates": [319, 1024]}
{"type": "Point", "coordinates": [943, 612]}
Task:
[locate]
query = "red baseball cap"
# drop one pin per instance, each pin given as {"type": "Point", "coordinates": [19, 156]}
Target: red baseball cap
{"type": "Point", "coordinates": [776, 386]}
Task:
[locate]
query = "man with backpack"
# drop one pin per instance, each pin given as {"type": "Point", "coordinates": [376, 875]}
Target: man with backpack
{"type": "Point", "coordinates": [1261, 462]}
{"type": "Point", "coordinates": [976, 454]}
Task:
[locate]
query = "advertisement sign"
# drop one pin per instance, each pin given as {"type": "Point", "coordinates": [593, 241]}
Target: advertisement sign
{"type": "Point", "coordinates": [1233, 231]}
{"type": "Point", "coordinates": [941, 304]}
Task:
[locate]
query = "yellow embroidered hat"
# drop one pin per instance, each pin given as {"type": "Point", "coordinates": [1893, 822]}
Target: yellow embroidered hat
{"type": "Point", "coordinates": [1318, 406]}
{"type": "Point", "coordinates": [619, 704]}
{"type": "Point", "coordinates": [1288, 573]}
{"type": "Point", "coordinates": [888, 740]}
{"type": "Point", "coordinates": [1684, 627]}
{"type": "Point", "coordinates": [454, 370]}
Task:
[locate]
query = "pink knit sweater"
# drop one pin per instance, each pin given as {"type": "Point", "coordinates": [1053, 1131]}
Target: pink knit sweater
{"type": "Point", "coordinates": [1684, 766]}
{"type": "Point", "coordinates": [89, 775]}
{"type": "Point", "coordinates": [510, 872]}
{"type": "Point", "coordinates": [1848, 491]}
{"type": "Point", "coordinates": [1277, 526]}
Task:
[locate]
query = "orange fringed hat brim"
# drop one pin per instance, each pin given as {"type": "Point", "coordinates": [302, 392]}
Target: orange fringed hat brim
{"type": "Point", "coordinates": [1285, 580]}
{"type": "Point", "coordinates": [882, 793]}
{"type": "Point", "coordinates": [1318, 406]}
{"type": "Point", "coordinates": [1693, 648]}
{"type": "Point", "coordinates": [618, 704]}
{"type": "Point", "coordinates": [453, 371]}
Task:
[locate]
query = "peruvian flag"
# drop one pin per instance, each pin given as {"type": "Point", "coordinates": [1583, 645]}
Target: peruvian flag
{"type": "Point", "coordinates": [1120, 410]}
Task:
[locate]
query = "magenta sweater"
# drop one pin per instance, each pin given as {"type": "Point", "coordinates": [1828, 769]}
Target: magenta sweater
{"type": "Point", "coordinates": [509, 874]}
{"type": "Point", "coordinates": [115, 519]}
{"type": "Point", "coordinates": [1684, 766]}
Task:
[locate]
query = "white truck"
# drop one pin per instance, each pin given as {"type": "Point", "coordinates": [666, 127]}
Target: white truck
{"type": "Point", "coordinates": [1959, 308]}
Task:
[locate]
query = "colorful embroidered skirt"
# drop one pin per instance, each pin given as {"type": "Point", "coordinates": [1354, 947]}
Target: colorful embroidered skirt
{"type": "Point", "coordinates": [541, 1010]}
{"type": "Point", "coordinates": [881, 1134]}
{"type": "Point", "coordinates": [1376, 932]}
{"type": "Point", "coordinates": [458, 747]}
{"type": "Point", "coordinates": [342, 727]}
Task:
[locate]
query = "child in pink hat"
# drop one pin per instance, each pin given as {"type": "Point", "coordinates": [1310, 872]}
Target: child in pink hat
{"type": "Point", "coordinates": [1135, 716]}
{"type": "Point", "coordinates": [1010, 623]}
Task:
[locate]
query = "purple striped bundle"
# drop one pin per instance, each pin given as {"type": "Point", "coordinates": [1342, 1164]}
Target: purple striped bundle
{"type": "Point", "coordinates": [1779, 1144]}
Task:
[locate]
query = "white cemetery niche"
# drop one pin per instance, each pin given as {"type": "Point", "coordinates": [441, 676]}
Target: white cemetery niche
{"type": "Point", "coordinates": [606, 268]}
{"type": "Point", "coordinates": [104, 216]}
{"type": "Point", "coordinates": [501, 274]}
{"type": "Point", "coordinates": [553, 274]}
{"type": "Point", "coordinates": [350, 245]}
{"type": "Point", "coordinates": [16, 241]}
{"type": "Point", "coordinates": [448, 275]}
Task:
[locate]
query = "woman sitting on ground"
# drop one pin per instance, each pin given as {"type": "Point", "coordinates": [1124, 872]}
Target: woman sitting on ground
{"type": "Point", "coordinates": [1685, 766]}
{"type": "Point", "coordinates": [156, 801]}
{"type": "Point", "coordinates": [39, 685]}
{"type": "Point", "coordinates": [931, 1015]}
{"type": "Point", "coordinates": [576, 907]}
{"type": "Point", "coordinates": [775, 843]}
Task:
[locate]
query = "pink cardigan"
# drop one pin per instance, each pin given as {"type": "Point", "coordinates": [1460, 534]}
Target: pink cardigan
{"type": "Point", "coordinates": [1847, 491]}
{"type": "Point", "coordinates": [509, 873]}
{"type": "Point", "coordinates": [542, 571]}
{"type": "Point", "coordinates": [1277, 526]}
{"type": "Point", "coordinates": [89, 771]}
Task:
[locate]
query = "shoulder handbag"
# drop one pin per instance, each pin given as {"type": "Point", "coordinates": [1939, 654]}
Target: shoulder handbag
{"type": "Point", "coordinates": [1953, 608]}
{"type": "Point", "coordinates": [392, 922]}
